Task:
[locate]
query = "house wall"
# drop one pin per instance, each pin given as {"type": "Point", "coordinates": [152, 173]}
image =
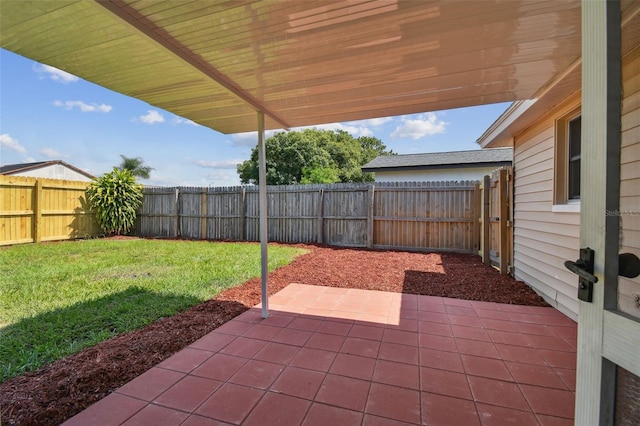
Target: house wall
{"type": "Point", "coordinates": [55, 171]}
{"type": "Point", "coordinates": [628, 288]}
{"type": "Point", "coordinates": [543, 238]}
{"type": "Point", "coordinates": [454, 174]}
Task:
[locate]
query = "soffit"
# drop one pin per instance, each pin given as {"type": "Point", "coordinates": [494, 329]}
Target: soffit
{"type": "Point", "coordinates": [519, 116]}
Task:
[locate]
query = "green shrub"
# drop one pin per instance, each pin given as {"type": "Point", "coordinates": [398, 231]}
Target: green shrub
{"type": "Point", "coordinates": [115, 197]}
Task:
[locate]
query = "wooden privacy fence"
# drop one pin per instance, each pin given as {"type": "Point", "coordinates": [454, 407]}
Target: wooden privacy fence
{"type": "Point", "coordinates": [497, 225]}
{"type": "Point", "coordinates": [414, 216]}
{"type": "Point", "coordinates": [458, 216]}
{"type": "Point", "coordinates": [37, 209]}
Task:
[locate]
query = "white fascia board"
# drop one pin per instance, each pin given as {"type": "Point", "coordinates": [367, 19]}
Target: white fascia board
{"type": "Point", "coordinates": [502, 129]}
{"type": "Point", "coordinates": [496, 131]}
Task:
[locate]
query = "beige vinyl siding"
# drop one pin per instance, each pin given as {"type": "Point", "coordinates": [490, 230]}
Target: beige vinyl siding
{"type": "Point", "coordinates": [543, 239]}
{"type": "Point", "coordinates": [630, 179]}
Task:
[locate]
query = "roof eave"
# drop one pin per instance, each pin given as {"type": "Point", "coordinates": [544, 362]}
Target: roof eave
{"type": "Point", "coordinates": [499, 134]}
{"type": "Point", "coordinates": [502, 132]}
{"type": "Point", "coordinates": [436, 166]}
{"type": "Point", "coordinates": [77, 170]}
{"type": "Point", "coordinates": [520, 114]}
{"type": "Point", "coordinates": [29, 166]}
{"type": "Point", "coordinates": [42, 164]}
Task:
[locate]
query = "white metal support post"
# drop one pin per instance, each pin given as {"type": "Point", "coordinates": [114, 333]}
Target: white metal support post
{"type": "Point", "coordinates": [264, 234]}
{"type": "Point", "coordinates": [600, 186]}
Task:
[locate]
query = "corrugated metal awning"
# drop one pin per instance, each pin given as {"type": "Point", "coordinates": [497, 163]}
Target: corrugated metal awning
{"type": "Point", "coordinates": [301, 62]}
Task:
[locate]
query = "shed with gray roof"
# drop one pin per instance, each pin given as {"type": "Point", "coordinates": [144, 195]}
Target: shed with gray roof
{"type": "Point", "coordinates": [439, 166]}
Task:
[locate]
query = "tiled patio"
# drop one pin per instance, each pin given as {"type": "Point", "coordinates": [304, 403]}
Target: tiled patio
{"type": "Point", "coordinates": [329, 356]}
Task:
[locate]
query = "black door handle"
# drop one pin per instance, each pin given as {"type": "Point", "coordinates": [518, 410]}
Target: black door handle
{"type": "Point", "coordinates": [583, 267]}
{"type": "Point", "coordinates": [628, 266]}
{"type": "Point", "coordinates": [579, 267]}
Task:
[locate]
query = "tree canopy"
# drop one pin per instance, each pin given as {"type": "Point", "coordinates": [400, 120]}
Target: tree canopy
{"type": "Point", "coordinates": [136, 166]}
{"type": "Point", "coordinates": [314, 156]}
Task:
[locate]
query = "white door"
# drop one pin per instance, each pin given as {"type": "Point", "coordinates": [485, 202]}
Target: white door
{"type": "Point", "coordinates": [607, 339]}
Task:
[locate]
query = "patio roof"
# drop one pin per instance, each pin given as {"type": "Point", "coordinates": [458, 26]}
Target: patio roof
{"type": "Point", "coordinates": [301, 63]}
{"type": "Point", "coordinates": [522, 113]}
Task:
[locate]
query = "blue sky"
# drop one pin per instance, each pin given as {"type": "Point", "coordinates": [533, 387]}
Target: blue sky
{"type": "Point", "coordinates": [46, 114]}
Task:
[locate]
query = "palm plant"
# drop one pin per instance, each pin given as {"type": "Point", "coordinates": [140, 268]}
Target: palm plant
{"type": "Point", "coordinates": [136, 166]}
{"type": "Point", "coordinates": [115, 197]}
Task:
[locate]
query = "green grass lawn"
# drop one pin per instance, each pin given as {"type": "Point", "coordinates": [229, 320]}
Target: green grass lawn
{"type": "Point", "coordinates": [58, 298]}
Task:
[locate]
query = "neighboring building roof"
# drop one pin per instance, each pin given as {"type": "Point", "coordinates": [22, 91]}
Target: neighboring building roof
{"type": "Point", "coordinates": [475, 158]}
{"type": "Point", "coordinates": [10, 169]}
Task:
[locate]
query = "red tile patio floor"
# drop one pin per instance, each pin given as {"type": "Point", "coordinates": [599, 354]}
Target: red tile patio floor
{"type": "Point", "coordinates": [329, 356]}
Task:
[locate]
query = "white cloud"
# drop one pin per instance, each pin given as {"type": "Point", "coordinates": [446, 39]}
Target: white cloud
{"type": "Point", "coordinates": [245, 139]}
{"type": "Point", "coordinates": [220, 164]}
{"type": "Point", "coordinates": [250, 139]}
{"type": "Point", "coordinates": [7, 141]}
{"type": "Point", "coordinates": [208, 178]}
{"type": "Point", "coordinates": [218, 176]}
{"type": "Point", "coordinates": [221, 178]}
{"type": "Point", "coordinates": [29, 160]}
{"type": "Point", "coordinates": [84, 107]}
{"type": "Point", "coordinates": [151, 117]}
{"type": "Point", "coordinates": [54, 74]}
{"type": "Point", "coordinates": [50, 153]}
{"type": "Point", "coordinates": [354, 128]}
{"type": "Point", "coordinates": [180, 120]}
{"type": "Point", "coordinates": [357, 131]}
{"type": "Point", "coordinates": [418, 126]}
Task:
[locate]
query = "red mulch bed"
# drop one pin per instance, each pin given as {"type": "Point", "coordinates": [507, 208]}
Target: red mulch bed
{"type": "Point", "coordinates": [59, 390]}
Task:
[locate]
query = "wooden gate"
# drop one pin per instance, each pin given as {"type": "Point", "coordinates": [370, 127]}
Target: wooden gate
{"type": "Point", "coordinates": [497, 223]}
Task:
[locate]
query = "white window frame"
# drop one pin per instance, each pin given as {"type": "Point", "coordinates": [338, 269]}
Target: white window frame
{"type": "Point", "coordinates": [561, 201]}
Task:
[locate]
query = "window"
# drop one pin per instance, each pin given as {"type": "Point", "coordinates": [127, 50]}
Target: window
{"type": "Point", "coordinates": [573, 179]}
{"type": "Point", "coordinates": [567, 161]}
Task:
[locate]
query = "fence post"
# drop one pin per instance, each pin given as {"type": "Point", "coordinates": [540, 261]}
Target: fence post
{"type": "Point", "coordinates": [243, 216]}
{"type": "Point", "coordinates": [203, 211]}
{"type": "Point", "coordinates": [504, 219]}
{"type": "Point", "coordinates": [37, 212]}
{"type": "Point", "coordinates": [177, 207]}
{"type": "Point", "coordinates": [370, 216]}
{"type": "Point", "coordinates": [476, 216]}
{"type": "Point", "coordinates": [486, 223]}
{"type": "Point", "coordinates": [321, 217]}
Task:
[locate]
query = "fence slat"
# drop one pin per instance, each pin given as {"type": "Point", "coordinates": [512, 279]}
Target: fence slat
{"type": "Point", "coordinates": [370, 216]}
{"type": "Point", "coordinates": [37, 219]}
{"type": "Point", "coordinates": [504, 219]}
{"type": "Point", "coordinates": [406, 215]}
{"type": "Point", "coordinates": [40, 209]}
{"type": "Point", "coordinates": [486, 223]}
